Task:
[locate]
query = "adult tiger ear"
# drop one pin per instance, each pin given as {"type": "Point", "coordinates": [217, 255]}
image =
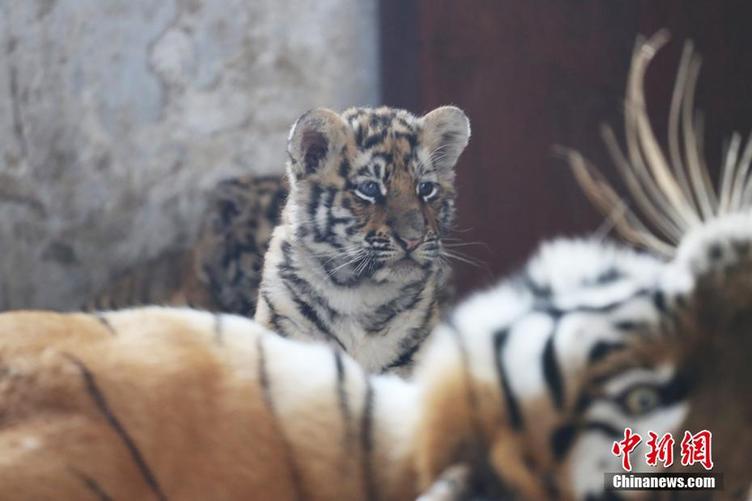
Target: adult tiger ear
{"type": "Point", "coordinates": [446, 132]}
{"type": "Point", "coordinates": [315, 139]}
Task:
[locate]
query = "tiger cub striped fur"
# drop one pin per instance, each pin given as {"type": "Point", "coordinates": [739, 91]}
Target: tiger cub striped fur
{"type": "Point", "coordinates": [222, 270]}
{"type": "Point", "coordinates": [358, 259]}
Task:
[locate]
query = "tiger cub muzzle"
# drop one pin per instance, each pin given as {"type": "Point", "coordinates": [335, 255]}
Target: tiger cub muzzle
{"type": "Point", "coordinates": [406, 235]}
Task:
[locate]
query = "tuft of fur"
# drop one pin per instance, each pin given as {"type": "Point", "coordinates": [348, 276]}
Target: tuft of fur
{"type": "Point", "coordinates": [673, 191]}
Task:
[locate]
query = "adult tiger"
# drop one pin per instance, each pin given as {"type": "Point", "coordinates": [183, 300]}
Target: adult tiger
{"type": "Point", "coordinates": [526, 387]}
{"type": "Point", "coordinates": [358, 259]}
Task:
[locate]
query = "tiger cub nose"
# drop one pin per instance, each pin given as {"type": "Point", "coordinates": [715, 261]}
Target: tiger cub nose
{"type": "Point", "coordinates": [409, 244]}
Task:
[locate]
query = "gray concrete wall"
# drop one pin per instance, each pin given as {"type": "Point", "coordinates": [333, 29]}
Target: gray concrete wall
{"type": "Point", "coordinates": [115, 115]}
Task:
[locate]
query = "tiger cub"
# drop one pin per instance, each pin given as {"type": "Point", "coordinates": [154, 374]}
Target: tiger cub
{"type": "Point", "coordinates": [358, 258]}
{"type": "Point", "coordinates": [222, 270]}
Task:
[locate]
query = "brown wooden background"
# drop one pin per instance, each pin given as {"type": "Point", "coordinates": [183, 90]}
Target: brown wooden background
{"type": "Point", "coordinates": [534, 73]}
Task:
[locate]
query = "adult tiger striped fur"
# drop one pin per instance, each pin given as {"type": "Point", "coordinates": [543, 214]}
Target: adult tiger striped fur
{"type": "Point", "coordinates": [359, 259]}
{"type": "Point", "coordinates": [707, 232]}
{"type": "Point", "coordinates": [590, 340]}
{"type": "Point", "coordinates": [222, 270]}
{"type": "Point", "coordinates": [160, 403]}
{"type": "Point", "coordinates": [523, 389]}
{"type": "Point", "coordinates": [180, 404]}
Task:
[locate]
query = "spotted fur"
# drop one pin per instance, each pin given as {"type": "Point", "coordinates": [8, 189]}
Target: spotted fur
{"type": "Point", "coordinates": [359, 258]}
{"type": "Point", "coordinates": [222, 270]}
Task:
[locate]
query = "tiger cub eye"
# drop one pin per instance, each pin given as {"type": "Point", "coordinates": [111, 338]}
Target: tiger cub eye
{"type": "Point", "coordinates": [368, 190]}
{"type": "Point", "coordinates": [426, 189]}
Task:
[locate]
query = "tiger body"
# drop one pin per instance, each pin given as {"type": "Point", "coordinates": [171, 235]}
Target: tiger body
{"type": "Point", "coordinates": [221, 271]}
{"type": "Point", "coordinates": [528, 384]}
{"type": "Point", "coordinates": [223, 410]}
{"type": "Point", "coordinates": [190, 405]}
{"type": "Point", "coordinates": [380, 340]}
{"type": "Point", "coordinates": [357, 260]}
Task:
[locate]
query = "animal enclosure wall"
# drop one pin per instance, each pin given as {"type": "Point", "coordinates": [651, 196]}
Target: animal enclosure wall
{"type": "Point", "coordinates": [115, 117]}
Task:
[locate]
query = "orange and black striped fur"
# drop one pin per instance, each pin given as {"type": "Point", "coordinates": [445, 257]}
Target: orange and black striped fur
{"type": "Point", "coordinates": [222, 270]}
{"type": "Point", "coordinates": [160, 403]}
{"type": "Point", "coordinates": [523, 390]}
{"type": "Point", "coordinates": [359, 259]}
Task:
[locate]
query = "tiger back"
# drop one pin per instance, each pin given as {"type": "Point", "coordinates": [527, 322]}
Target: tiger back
{"type": "Point", "coordinates": [178, 404]}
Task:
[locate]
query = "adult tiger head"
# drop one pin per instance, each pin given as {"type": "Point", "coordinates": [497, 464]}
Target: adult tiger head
{"type": "Point", "coordinates": [529, 387]}
{"type": "Point", "coordinates": [372, 190]}
{"type": "Point", "coordinates": [594, 339]}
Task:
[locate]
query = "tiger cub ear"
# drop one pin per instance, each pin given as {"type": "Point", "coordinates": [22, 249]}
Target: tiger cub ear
{"type": "Point", "coordinates": [446, 132]}
{"type": "Point", "coordinates": [315, 139]}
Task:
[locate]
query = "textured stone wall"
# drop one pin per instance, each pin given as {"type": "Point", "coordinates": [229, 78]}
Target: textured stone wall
{"type": "Point", "coordinates": [116, 115]}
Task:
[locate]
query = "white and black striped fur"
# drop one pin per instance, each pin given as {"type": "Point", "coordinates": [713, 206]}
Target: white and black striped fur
{"type": "Point", "coordinates": [590, 339]}
{"type": "Point", "coordinates": [359, 259]}
{"type": "Point", "coordinates": [543, 337]}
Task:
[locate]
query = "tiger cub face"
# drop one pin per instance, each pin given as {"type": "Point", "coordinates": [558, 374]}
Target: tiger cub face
{"type": "Point", "coordinates": [373, 189]}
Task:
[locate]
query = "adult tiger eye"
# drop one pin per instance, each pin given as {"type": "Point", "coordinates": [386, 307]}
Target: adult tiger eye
{"type": "Point", "coordinates": [641, 400]}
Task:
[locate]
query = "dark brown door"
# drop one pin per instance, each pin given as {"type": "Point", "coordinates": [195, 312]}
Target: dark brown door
{"type": "Point", "coordinates": [534, 73]}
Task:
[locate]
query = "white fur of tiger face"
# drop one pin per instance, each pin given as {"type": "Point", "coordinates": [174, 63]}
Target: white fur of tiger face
{"type": "Point", "coordinates": [669, 205]}
{"type": "Point", "coordinates": [592, 339]}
